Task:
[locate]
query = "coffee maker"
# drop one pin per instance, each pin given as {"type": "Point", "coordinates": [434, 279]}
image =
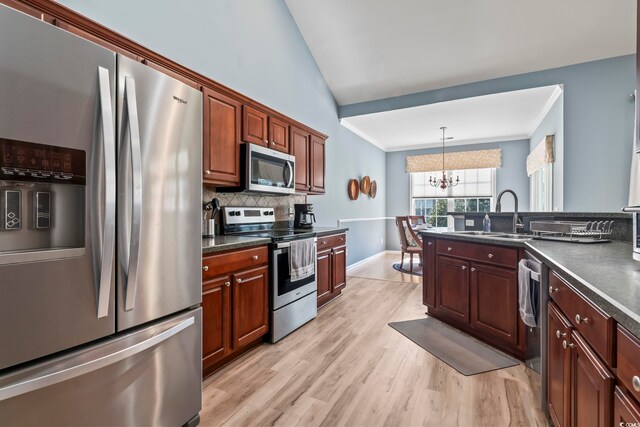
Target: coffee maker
{"type": "Point", "coordinates": [304, 216]}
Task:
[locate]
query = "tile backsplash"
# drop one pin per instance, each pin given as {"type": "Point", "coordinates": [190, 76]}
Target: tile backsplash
{"type": "Point", "coordinates": [280, 204]}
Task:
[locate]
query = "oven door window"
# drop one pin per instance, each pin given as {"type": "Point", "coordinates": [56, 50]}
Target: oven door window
{"type": "Point", "coordinates": [285, 285]}
{"type": "Point", "coordinates": [270, 171]}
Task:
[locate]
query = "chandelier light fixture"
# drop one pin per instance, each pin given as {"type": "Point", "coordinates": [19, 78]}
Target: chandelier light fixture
{"type": "Point", "coordinates": [444, 182]}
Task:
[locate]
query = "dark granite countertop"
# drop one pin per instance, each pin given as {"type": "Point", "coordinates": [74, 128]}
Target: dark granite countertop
{"type": "Point", "coordinates": [226, 243]}
{"type": "Point", "coordinates": [603, 272]}
{"type": "Point", "coordinates": [577, 215]}
{"type": "Point", "coordinates": [327, 231]}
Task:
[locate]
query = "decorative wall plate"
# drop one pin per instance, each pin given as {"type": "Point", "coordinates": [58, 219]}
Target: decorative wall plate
{"type": "Point", "coordinates": [374, 189]}
{"type": "Point", "coordinates": [352, 189]}
{"type": "Point", "coordinates": [365, 185]}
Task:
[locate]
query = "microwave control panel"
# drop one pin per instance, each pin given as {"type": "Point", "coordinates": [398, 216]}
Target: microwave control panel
{"type": "Point", "coordinates": [28, 161]}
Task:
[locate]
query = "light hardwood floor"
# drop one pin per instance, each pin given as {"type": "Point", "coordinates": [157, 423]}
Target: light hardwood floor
{"type": "Point", "coordinates": [381, 268]}
{"type": "Point", "coordinates": [348, 367]}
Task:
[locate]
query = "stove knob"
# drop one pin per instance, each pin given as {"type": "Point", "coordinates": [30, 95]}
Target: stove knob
{"type": "Point", "coordinates": [238, 213]}
{"type": "Point", "coordinates": [270, 213]}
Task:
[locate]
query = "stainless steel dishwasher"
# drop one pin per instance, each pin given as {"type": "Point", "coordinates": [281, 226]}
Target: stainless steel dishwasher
{"type": "Point", "coordinates": [536, 353]}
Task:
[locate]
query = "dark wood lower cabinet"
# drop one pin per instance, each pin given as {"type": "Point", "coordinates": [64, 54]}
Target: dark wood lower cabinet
{"type": "Point", "coordinates": [494, 302]}
{"type": "Point", "coordinates": [331, 264]}
{"type": "Point", "coordinates": [591, 386]}
{"type": "Point", "coordinates": [250, 305]}
{"type": "Point", "coordinates": [216, 319]}
{"type": "Point", "coordinates": [235, 305]}
{"type": "Point", "coordinates": [429, 272]}
{"type": "Point", "coordinates": [452, 288]}
{"type": "Point", "coordinates": [559, 368]}
{"type": "Point", "coordinates": [626, 411]}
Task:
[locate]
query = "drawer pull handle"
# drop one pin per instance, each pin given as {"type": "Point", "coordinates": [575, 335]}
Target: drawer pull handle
{"type": "Point", "coordinates": [464, 267]}
{"type": "Point", "coordinates": [255, 257]}
{"type": "Point", "coordinates": [552, 289]}
{"type": "Point", "coordinates": [581, 319]}
{"type": "Point", "coordinates": [490, 256]}
{"type": "Point", "coordinates": [227, 284]}
{"type": "Point", "coordinates": [449, 248]}
{"type": "Point", "coordinates": [239, 280]}
{"type": "Point", "coordinates": [430, 243]}
{"type": "Point", "coordinates": [323, 242]}
{"type": "Point", "coordinates": [565, 344]}
{"type": "Point", "coordinates": [560, 334]}
{"type": "Point", "coordinates": [207, 172]}
{"type": "Point", "coordinates": [473, 269]}
{"type": "Point", "coordinates": [205, 268]}
{"type": "Point", "coordinates": [636, 383]}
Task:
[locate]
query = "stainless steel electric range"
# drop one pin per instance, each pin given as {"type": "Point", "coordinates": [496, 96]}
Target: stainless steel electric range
{"type": "Point", "coordinates": [292, 303]}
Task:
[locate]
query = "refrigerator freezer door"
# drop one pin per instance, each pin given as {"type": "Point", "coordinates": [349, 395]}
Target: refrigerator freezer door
{"type": "Point", "coordinates": [159, 194]}
{"type": "Point", "coordinates": [148, 377]}
{"type": "Point", "coordinates": [57, 90]}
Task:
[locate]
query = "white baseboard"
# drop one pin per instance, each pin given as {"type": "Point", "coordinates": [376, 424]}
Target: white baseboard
{"type": "Point", "coordinates": [372, 257]}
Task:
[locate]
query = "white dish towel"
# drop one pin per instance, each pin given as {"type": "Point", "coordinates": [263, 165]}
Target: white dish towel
{"type": "Point", "coordinates": [301, 259]}
{"type": "Point", "coordinates": [525, 304]}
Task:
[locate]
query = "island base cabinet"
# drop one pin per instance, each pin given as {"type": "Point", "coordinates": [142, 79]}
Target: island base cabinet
{"type": "Point", "coordinates": [626, 411]}
{"type": "Point", "coordinates": [591, 386]}
{"type": "Point", "coordinates": [452, 289]}
{"type": "Point", "coordinates": [559, 368]}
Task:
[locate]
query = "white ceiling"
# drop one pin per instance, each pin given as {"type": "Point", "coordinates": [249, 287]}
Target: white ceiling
{"type": "Point", "coordinates": [373, 49]}
{"type": "Point", "coordinates": [497, 117]}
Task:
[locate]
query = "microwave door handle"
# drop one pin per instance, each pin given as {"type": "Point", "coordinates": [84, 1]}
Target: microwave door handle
{"type": "Point", "coordinates": [130, 114]}
{"type": "Point", "coordinates": [290, 166]}
{"type": "Point", "coordinates": [106, 252]}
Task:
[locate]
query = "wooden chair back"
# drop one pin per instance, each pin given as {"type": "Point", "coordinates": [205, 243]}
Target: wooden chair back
{"type": "Point", "coordinates": [406, 232]}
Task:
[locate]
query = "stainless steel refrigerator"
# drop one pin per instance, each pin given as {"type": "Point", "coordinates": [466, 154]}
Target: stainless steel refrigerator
{"type": "Point", "coordinates": [100, 194]}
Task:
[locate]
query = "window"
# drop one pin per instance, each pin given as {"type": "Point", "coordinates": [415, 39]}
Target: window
{"type": "Point", "coordinates": [475, 193]}
{"type": "Point", "coordinates": [542, 189]}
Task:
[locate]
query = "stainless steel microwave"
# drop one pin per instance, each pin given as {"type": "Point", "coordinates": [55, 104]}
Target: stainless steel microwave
{"type": "Point", "coordinates": [264, 170]}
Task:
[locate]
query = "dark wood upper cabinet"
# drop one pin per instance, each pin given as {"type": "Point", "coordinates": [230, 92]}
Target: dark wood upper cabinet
{"type": "Point", "coordinates": [278, 135]}
{"type": "Point", "coordinates": [452, 288]}
{"type": "Point", "coordinates": [250, 305]}
{"type": "Point", "coordinates": [429, 272]}
{"type": "Point", "coordinates": [254, 126]}
{"type": "Point", "coordinates": [591, 386]}
{"type": "Point", "coordinates": [221, 142]}
{"type": "Point", "coordinates": [494, 301]}
{"type": "Point", "coordinates": [559, 367]}
{"type": "Point", "coordinates": [317, 165]}
{"type": "Point", "coordinates": [300, 149]}
{"type": "Point", "coordinates": [216, 318]}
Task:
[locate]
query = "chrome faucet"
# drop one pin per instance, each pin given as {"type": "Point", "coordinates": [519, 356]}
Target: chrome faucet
{"type": "Point", "coordinates": [516, 223]}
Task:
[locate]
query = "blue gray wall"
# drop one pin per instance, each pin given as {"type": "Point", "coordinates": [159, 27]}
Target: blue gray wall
{"type": "Point", "coordinates": [553, 124]}
{"type": "Point", "coordinates": [511, 175]}
{"type": "Point", "coordinates": [256, 48]}
{"type": "Point", "coordinates": [598, 124]}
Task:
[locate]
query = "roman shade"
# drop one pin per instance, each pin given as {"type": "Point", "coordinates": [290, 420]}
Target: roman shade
{"type": "Point", "coordinates": [541, 155]}
{"type": "Point", "coordinates": [460, 160]}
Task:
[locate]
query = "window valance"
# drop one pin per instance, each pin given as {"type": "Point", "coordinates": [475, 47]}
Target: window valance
{"type": "Point", "coordinates": [460, 160]}
{"type": "Point", "coordinates": [541, 155]}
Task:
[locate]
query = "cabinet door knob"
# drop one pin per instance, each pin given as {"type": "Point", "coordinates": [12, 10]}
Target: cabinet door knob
{"type": "Point", "coordinates": [581, 319]}
{"type": "Point", "coordinates": [552, 289]}
{"type": "Point", "coordinates": [205, 268]}
{"type": "Point", "coordinates": [490, 256]}
{"type": "Point", "coordinates": [227, 284]}
{"type": "Point", "coordinates": [266, 142]}
{"type": "Point", "coordinates": [635, 381]}
{"type": "Point", "coordinates": [239, 280]}
{"type": "Point", "coordinates": [255, 257]}
{"type": "Point", "coordinates": [560, 334]}
{"type": "Point", "coordinates": [449, 248]}
{"type": "Point", "coordinates": [429, 243]}
{"type": "Point", "coordinates": [565, 344]}
{"type": "Point", "coordinates": [473, 269]}
{"type": "Point", "coordinates": [207, 172]}
{"type": "Point", "coordinates": [464, 267]}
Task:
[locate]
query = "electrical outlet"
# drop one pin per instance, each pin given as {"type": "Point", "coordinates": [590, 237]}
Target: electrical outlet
{"type": "Point", "coordinates": [382, 240]}
{"type": "Point", "coordinates": [469, 222]}
{"type": "Point", "coordinates": [347, 252]}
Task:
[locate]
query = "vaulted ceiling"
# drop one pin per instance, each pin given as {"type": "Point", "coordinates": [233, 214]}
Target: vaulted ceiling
{"type": "Point", "coordinates": [373, 49]}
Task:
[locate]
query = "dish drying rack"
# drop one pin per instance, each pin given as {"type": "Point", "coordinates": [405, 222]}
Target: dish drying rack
{"type": "Point", "coordinates": [570, 231]}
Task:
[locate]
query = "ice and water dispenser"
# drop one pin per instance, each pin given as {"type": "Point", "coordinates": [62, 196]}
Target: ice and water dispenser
{"type": "Point", "coordinates": [42, 197]}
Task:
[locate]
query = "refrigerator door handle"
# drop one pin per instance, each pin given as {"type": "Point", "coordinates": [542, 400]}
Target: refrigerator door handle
{"type": "Point", "coordinates": [31, 384]}
{"type": "Point", "coordinates": [130, 115]}
{"type": "Point", "coordinates": [109, 227]}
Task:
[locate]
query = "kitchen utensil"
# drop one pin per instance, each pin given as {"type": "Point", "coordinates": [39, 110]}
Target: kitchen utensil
{"type": "Point", "coordinates": [215, 203]}
{"type": "Point", "coordinates": [353, 189]}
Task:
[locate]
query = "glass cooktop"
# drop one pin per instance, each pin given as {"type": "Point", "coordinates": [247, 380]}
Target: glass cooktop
{"type": "Point", "coordinates": [282, 234]}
